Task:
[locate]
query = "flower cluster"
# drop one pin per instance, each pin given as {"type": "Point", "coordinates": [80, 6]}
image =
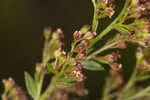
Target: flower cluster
{"type": "Point", "coordinates": [13, 91]}
{"type": "Point", "coordinates": [53, 41]}
{"type": "Point", "coordinates": [70, 63]}
{"type": "Point", "coordinates": [63, 93]}
{"type": "Point", "coordinates": [139, 8]}
{"type": "Point", "coordinates": [105, 8]}
{"type": "Point", "coordinates": [112, 58]}
{"type": "Point", "coordinates": [80, 44]}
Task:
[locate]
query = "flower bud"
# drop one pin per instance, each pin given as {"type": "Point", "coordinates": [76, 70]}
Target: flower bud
{"type": "Point", "coordinates": [77, 35]}
{"type": "Point", "coordinates": [139, 53]}
{"type": "Point", "coordinates": [47, 32]}
{"type": "Point", "coordinates": [8, 84]}
{"type": "Point", "coordinates": [135, 2]}
{"type": "Point", "coordinates": [89, 35]}
{"type": "Point", "coordinates": [112, 57]}
{"type": "Point", "coordinates": [82, 46]}
{"type": "Point", "coordinates": [115, 66]}
{"type": "Point", "coordinates": [39, 67]}
{"type": "Point", "coordinates": [57, 34]}
{"type": "Point", "coordinates": [58, 53]}
{"type": "Point", "coordinates": [85, 29]}
{"type": "Point", "coordinates": [110, 12]}
{"type": "Point", "coordinates": [81, 56]}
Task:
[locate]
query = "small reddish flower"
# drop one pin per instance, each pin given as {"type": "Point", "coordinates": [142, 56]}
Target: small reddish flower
{"type": "Point", "coordinates": [77, 35]}
{"type": "Point", "coordinates": [81, 56]}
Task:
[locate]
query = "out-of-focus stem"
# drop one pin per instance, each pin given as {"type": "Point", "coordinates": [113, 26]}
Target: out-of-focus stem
{"type": "Point", "coordinates": [140, 94]}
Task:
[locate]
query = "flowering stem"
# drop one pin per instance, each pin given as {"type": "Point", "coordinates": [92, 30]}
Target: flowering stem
{"type": "Point", "coordinates": [95, 20]}
{"type": "Point", "coordinates": [110, 27]}
{"type": "Point", "coordinates": [101, 50]}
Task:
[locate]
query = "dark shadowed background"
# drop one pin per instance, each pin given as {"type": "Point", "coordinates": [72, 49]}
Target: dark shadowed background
{"type": "Point", "coordinates": [21, 34]}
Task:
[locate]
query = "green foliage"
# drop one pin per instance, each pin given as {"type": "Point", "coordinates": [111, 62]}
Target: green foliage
{"type": "Point", "coordinates": [92, 65]}
{"type": "Point", "coordinates": [51, 68]}
{"type": "Point", "coordinates": [30, 85]}
{"type": "Point", "coordinates": [122, 29]}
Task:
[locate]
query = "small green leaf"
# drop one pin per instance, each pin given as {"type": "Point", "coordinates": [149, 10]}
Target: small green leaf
{"type": "Point", "coordinates": [101, 60]}
{"type": "Point", "coordinates": [51, 68]}
{"type": "Point", "coordinates": [122, 29]}
{"type": "Point", "coordinates": [92, 65]}
{"type": "Point", "coordinates": [30, 85]}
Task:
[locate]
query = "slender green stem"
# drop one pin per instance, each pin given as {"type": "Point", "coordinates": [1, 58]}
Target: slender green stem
{"type": "Point", "coordinates": [133, 77]}
{"type": "Point", "coordinates": [131, 81]}
{"type": "Point", "coordinates": [106, 91]}
{"type": "Point", "coordinates": [95, 20]}
{"type": "Point", "coordinates": [110, 27]}
{"type": "Point", "coordinates": [101, 50]}
{"type": "Point", "coordinates": [140, 94]}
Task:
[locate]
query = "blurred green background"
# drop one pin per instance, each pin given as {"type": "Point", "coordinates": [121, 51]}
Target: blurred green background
{"type": "Point", "coordinates": [21, 34]}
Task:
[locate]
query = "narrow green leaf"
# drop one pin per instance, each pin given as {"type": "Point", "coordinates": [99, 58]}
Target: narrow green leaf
{"type": "Point", "coordinates": [51, 68]}
{"type": "Point", "coordinates": [64, 84]}
{"type": "Point", "coordinates": [30, 85]}
{"type": "Point", "coordinates": [101, 60]}
{"type": "Point", "coordinates": [68, 79]}
{"type": "Point", "coordinates": [122, 29]}
{"type": "Point", "coordinates": [92, 65]}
